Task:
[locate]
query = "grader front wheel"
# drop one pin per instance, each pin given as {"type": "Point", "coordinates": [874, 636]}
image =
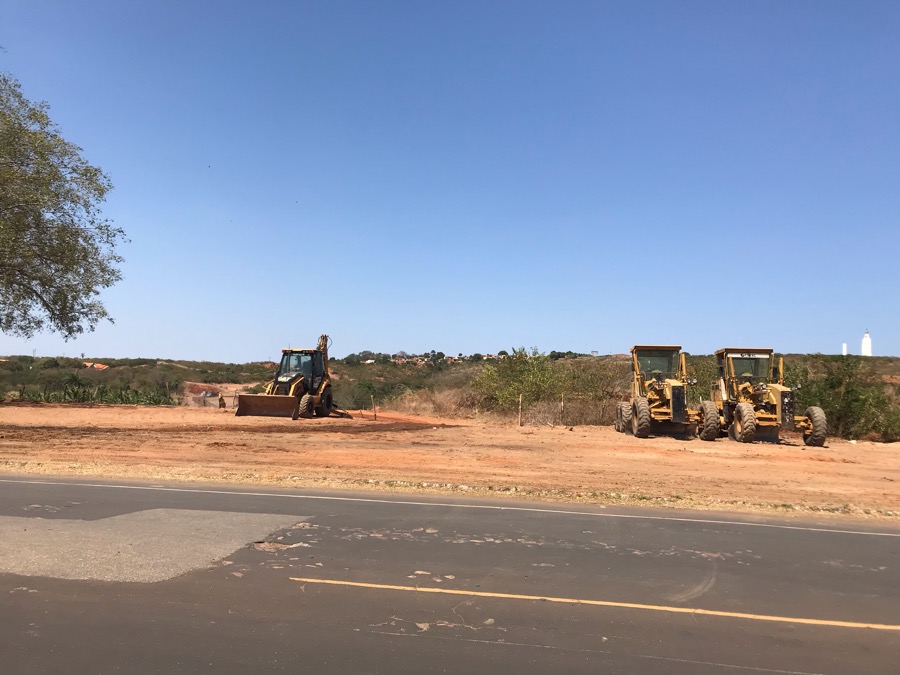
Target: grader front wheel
{"type": "Point", "coordinates": [816, 435]}
{"type": "Point", "coordinates": [640, 421]}
{"type": "Point", "coordinates": [709, 428]}
{"type": "Point", "coordinates": [743, 428]}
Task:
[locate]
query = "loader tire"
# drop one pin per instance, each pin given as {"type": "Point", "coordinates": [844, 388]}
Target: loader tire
{"type": "Point", "coordinates": [626, 418]}
{"type": "Point", "coordinates": [709, 427]}
{"type": "Point", "coordinates": [306, 406]}
{"type": "Point", "coordinates": [640, 420]}
{"type": "Point", "coordinates": [816, 437]}
{"type": "Point", "coordinates": [326, 403]}
{"type": "Point", "coordinates": [618, 423]}
{"type": "Point", "coordinates": [744, 425]}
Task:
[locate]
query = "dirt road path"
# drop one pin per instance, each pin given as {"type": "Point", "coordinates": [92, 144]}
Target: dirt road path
{"type": "Point", "coordinates": [406, 453]}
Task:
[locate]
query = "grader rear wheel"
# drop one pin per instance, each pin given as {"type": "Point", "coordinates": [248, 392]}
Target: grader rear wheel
{"type": "Point", "coordinates": [626, 418]}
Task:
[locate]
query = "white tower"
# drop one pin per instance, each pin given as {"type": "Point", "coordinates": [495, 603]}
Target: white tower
{"type": "Point", "coordinates": [844, 349]}
{"type": "Point", "coordinates": [866, 349]}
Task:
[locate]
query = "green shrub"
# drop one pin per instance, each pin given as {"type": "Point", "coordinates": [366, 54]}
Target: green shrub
{"type": "Point", "coordinates": [530, 376]}
{"type": "Point", "coordinates": [857, 401]}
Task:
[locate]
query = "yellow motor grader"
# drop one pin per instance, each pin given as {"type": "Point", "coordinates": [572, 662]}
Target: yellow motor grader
{"type": "Point", "coordinates": [659, 397]}
{"type": "Point", "coordinates": [753, 402]}
{"type": "Point", "coordinates": [301, 387]}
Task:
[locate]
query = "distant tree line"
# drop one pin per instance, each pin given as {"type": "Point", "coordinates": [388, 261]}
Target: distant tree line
{"type": "Point", "coordinates": [859, 395]}
{"type": "Point", "coordinates": [141, 381]}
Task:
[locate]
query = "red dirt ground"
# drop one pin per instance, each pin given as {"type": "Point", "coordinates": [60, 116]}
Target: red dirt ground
{"type": "Point", "coordinates": [423, 454]}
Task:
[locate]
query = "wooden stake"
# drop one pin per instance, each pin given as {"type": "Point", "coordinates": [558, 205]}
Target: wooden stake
{"type": "Point", "coordinates": [374, 412]}
{"type": "Point", "coordinates": [520, 409]}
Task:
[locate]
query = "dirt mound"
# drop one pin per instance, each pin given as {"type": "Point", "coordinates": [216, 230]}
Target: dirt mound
{"type": "Point", "coordinates": [204, 394]}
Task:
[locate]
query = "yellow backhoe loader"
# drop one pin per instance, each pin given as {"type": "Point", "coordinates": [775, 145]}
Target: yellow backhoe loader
{"type": "Point", "coordinates": [659, 398]}
{"type": "Point", "coordinates": [301, 387]}
{"type": "Point", "coordinates": [753, 402]}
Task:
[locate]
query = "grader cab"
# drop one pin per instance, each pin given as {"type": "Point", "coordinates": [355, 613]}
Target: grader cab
{"type": "Point", "coordinates": [753, 402]}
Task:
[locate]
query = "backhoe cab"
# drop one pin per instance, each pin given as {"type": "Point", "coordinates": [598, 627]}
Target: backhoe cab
{"type": "Point", "coordinates": [301, 387]}
{"type": "Point", "coordinates": [659, 396]}
{"type": "Point", "coordinates": [753, 402]}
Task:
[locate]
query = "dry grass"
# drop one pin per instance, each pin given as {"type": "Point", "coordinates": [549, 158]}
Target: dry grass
{"type": "Point", "coordinates": [458, 404]}
{"type": "Point", "coordinates": [452, 403]}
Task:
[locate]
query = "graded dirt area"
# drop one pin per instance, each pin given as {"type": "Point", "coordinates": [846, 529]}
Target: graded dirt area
{"type": "Point", "coordinates": [423, 454]}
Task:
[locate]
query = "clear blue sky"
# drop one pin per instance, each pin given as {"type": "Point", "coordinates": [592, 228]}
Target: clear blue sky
{"type": "Point", "coordinates": [476, 176]}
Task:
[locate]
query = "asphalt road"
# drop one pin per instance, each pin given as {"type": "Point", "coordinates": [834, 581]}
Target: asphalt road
{"type": "Point", "coordinates": [115, 578]}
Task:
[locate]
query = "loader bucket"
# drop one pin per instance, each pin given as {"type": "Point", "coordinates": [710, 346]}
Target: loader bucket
{"type": "Point", "coordinates": [262, 405]}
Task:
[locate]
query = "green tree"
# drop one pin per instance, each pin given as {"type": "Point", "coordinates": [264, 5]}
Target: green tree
{"type": "Point", "coordinates": [529, 375]}
{"type": "Point", "coordinates": [56, 250]}
{"type": "Point", "coordinates": [50, 363]}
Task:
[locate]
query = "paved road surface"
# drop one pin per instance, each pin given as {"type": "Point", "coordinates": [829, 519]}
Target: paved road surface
{"type": "Point", "coordinates": [101, 578]}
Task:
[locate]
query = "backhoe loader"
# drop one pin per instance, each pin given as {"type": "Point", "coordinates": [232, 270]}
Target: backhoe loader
{"type": "Point", "coordinates": [659, 399]}
{"type": "Point", "coordinates": [301, 387]}
{"type": "Point", "coordinates": [753, 402]}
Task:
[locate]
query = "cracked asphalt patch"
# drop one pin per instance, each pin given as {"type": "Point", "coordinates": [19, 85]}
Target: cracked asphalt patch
{"type": "Point", "coordinates": [146, 546]}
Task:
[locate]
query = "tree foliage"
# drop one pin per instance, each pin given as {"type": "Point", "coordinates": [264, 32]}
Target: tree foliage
{"type": "Point", "coordinates": [581, 390]}
{"type": "Point", "coordinates": [703, 370]}
{"type": "Point", "coordinates": [521, 373]}
{"type": "Point", "coordinates": [57, 252]}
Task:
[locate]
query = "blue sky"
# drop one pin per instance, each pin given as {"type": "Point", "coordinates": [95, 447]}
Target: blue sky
{"type": "Point", "coordinates": [476, 176]}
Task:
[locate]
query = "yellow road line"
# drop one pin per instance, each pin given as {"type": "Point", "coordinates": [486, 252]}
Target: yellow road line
{"type": "Point", "coordinates": [608, 603]}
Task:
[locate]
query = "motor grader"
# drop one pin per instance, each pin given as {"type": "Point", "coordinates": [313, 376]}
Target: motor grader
{"type": "Point", "coordinates": [659, 397]}
{"type": "Point", "coordinates": [301, 387]}
{"type": "Point", "coordinates": [753, 402]}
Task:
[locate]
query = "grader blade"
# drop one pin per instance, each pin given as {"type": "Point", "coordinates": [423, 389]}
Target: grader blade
{"type": "Point", "coordinates": [767, 433]}
{"type": "Point", "coordinates": [262, 405]}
